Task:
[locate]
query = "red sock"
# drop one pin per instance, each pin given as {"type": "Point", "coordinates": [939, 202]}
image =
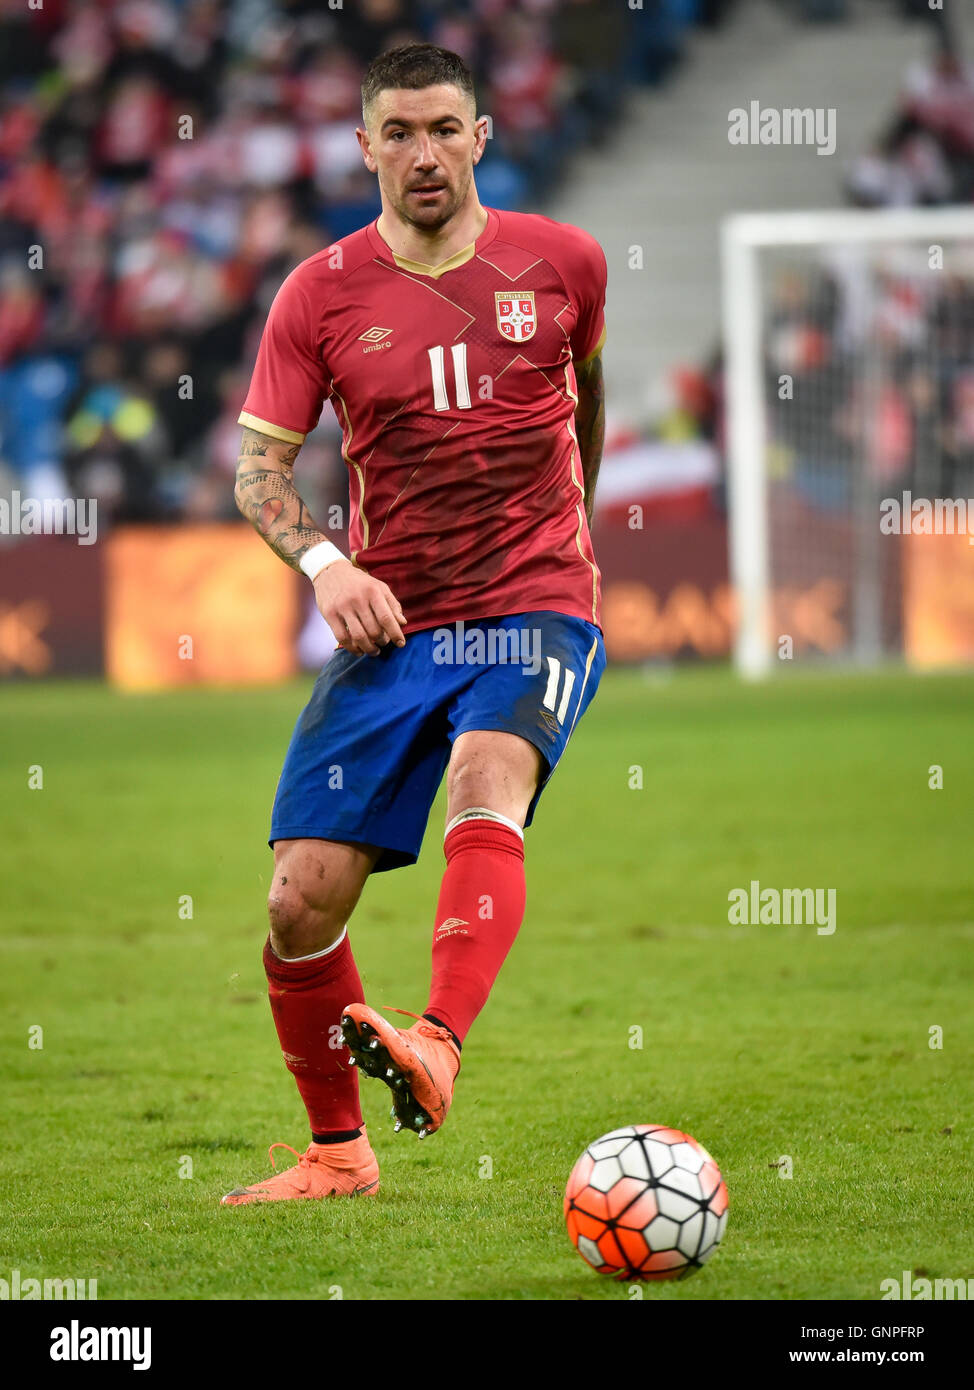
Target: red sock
{"type": "Point", "coordinates": [480, 909]}
{"type": "Point", "coordinates": [307, 999]}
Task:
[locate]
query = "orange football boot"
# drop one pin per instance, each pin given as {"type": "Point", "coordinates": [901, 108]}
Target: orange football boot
{"type": "Point", "coordinates": [418, 1064]}
{"type": "Point", "coordinates": [349, 1169]}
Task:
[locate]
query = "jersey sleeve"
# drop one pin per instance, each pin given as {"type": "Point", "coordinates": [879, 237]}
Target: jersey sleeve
{"type": "Point", "coordinates": [289, 384]}
{"type": "Point", "coordinates": [588, 290]}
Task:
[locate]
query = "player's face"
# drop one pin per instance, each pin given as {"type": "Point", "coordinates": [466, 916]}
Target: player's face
{"type": "Point", "coordinates": [423, 146]}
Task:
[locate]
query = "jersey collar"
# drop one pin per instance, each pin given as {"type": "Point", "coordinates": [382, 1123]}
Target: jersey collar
{"type": "Point", "coordinates": [459, 258]}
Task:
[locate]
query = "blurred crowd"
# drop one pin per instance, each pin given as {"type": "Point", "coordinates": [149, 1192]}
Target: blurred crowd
{"type": "Point", "coordinates": [879, 351]}
{"type": "Point", "coordinates": [870, 359]}
{"type": "Point", "coordinates": [879, 344]}
{"type": "Point", "coordinates": [165, 163]}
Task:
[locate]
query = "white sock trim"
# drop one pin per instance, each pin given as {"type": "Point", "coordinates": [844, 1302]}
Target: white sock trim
{"type": "Point", "coordinates": [299, 960]}
{"type": "Point", "coordinates": [482, 813]}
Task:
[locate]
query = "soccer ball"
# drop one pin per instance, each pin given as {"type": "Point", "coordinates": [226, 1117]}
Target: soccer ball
{"type": "Point", "coordinates": [646, 1202]}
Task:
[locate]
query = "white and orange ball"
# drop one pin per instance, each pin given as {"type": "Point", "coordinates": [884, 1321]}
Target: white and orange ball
{"type": "Point", "coordinates": [646, 1202]}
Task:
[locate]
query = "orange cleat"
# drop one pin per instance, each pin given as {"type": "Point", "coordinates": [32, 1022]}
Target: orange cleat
{"type": "Point", "coordinates": [349, 1169]}
{"type": "Point", "coordinates": [418, 1064]}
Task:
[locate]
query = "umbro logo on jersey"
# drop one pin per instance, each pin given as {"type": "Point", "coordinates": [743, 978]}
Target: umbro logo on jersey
{"type": "Point", "coordinates": [374, 337]}
{"type": "Point", "coordinates": [517, 317]}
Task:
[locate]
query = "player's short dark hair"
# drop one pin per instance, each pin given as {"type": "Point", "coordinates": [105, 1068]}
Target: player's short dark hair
{"type": "Point", "coordinates": [413, 67]}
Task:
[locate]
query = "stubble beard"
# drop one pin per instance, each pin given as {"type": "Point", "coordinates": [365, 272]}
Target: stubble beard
{"type": "Point", "coordinates": [433, 219]}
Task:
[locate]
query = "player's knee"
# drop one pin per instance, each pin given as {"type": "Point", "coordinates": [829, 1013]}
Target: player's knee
{"type": "Point", "coordinates": [301, 922]}
{"type": "Point", "coordinates": [286, 907]}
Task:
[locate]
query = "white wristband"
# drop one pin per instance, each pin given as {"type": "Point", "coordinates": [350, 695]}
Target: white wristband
{"type": "Point", "coordinates": [313, 561]}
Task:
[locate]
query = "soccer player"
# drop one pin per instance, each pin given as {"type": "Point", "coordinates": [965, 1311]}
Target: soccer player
{"type": "Point", "coordinates": [459, 347]}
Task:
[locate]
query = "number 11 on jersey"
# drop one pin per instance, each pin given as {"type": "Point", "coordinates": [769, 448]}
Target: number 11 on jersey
{"type": "Point", "coordinates": [441, 400]}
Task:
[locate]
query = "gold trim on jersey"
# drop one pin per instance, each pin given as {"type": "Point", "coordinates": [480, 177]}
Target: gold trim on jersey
{"type": "Point", "coordinates": [595, 574]}
{"type": "Point", "coordinates": [513, 278]}
{"type": "Point", "coordinates": [579, 507]}
{"type": "Point", "coordinates": [359, 473]}
{"type": "Point", "coordinates": [557, 317]}
{"type": "Point", "coordinates": [584, 361]}
{"type": "Point", "coordinates": [435, 271]}
{"type": "Point", "coordinates": [254, 422]}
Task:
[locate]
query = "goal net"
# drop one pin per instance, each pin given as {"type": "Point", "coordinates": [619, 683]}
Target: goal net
{"type": "Point", "coordinates": [849, 346]}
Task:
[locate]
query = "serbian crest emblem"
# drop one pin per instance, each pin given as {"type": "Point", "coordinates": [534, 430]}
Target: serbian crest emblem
{"type": "Point", "coordinates": [517, 317]}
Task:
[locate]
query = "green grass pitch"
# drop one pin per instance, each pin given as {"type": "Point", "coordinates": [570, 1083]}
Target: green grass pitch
{"type": "Point", "coordinates": [762, 1041]}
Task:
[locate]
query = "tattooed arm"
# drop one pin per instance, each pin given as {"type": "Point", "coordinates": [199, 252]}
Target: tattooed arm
{"type": "Point", "coordinates": [267, 497]}
{"type": "Point", "coordinates": [362, 612]}
{"type": "Point", "coordinates": [590, 424]}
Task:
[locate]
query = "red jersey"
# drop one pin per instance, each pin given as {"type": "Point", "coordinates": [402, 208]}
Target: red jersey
{"type": "Point", "coordinates": [455, 391]}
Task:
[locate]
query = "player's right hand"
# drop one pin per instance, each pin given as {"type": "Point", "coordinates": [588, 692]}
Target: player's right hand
{"type": "Point", "coordinates": [363, 613]}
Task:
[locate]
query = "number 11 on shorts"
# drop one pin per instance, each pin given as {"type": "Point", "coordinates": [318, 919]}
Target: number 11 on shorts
{"type": "Point", "coordinates": [551, 690]}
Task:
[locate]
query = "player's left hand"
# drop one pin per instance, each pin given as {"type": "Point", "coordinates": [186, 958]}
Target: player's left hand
{"type": "Point", "coordinates": [361, 611]}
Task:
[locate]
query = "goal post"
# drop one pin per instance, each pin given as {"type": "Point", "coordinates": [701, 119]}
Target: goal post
{"type": "Point", "coordinates": [841, 357]}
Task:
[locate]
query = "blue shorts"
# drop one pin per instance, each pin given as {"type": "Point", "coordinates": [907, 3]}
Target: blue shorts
{"type": "Point", "coordinates": [369, 751]}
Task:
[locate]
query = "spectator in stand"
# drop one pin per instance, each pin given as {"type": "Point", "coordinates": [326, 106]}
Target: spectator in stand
{"type": "Point", "coordinates": [375, 25]}
{"type": "Point", "coordinates": [209, 496]}
{"type": "Point", "coordinates": [590, 38]}
{"type": "Point", "coordinates": [114, 440]}
{"type": "Point", "coordinates": [181, 397]}
{"type": "Point", "coordinates": [926, 155]}
{"type": "Point", "coordinates": [21, 312]}
{"type": "Point", "coordinates": [527, 87]}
